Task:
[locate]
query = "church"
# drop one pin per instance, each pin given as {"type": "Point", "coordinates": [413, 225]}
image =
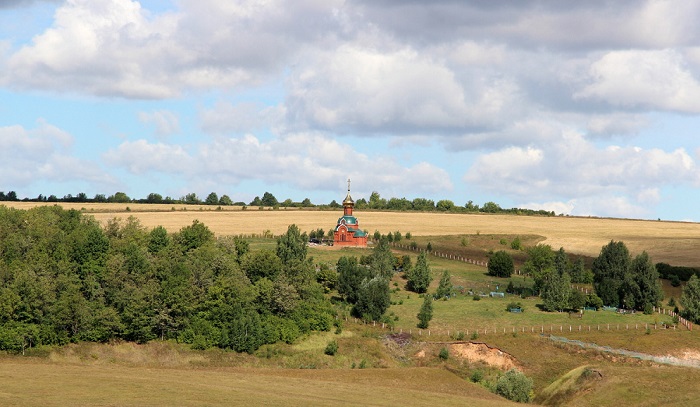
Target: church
{"type": "Point", "coordinates": [347, 232]}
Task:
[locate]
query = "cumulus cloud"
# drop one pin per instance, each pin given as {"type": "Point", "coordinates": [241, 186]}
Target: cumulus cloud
{"type": "Point", "coordinates": [579, 170]}
{"type": "Point", "coordinates": [43, 153]}
{"type": "Point", "coordinates": [116, 48]}
{"type": "Point", "coordinates": [365, 90]}
{"type": "Point", "coordinates": [656, 80]}
{"type": "Point", "coordinates": [307, 161]}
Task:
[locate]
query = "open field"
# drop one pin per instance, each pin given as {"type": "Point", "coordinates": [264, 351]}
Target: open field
{"type": "Point", "coordinates": [671, 242]}
{"type": "Point", "coordinates": [42, 383]}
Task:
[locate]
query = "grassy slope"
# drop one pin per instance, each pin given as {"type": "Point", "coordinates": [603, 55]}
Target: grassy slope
{"type": "Point", "coordinates": [41, 383]}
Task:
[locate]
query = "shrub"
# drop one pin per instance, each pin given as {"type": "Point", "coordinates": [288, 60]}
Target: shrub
{"type": "Point", "coordinates": [477, 376]}
{"type": "Point", "coordinates": [331, 348]}
{"type": "Point", "coordinates": [476, 297]}
{"type": "Point", "coordinates": [501, 264]}
{"type": "Point", "coordinates": [515, 386]}
{"type": "Point", "coordinates": [444, 354]}
{"type": "Point", "coordinates": [515, 244]}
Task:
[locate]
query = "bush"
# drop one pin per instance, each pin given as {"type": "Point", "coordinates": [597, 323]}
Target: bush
{"type": "Point", "coordinates": [477, 376]}
{"type": "Point", "coordinates": [331, 348]}
{"type": "Point", "coordinates": [515, 386]}
{"type": "Point", "coordinates": [501, 264]}
{"type": "Point", "coordinates": [444, 354]}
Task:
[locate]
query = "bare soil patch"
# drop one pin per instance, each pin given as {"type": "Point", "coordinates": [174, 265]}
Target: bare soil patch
{"type": "Point", "coordinates": [481, 352]}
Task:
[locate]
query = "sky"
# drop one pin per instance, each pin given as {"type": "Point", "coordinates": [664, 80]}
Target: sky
{"type": "Point", "coordinates": [583, 108]}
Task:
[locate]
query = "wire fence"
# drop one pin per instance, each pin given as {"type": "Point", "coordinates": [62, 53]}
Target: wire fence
{"type": "Point", "coordinates": [530, 329]}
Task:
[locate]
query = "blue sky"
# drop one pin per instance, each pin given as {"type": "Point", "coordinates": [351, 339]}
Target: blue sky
{"type": "Point", "coordinates": [583, 108]}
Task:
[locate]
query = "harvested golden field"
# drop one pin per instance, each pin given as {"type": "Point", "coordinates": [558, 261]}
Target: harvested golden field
{"type": "Point", "coordinates": [676, 243]}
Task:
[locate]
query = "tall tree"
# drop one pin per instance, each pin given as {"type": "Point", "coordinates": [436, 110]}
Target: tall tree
{"type": "Point", "coordinates": [444, 289]}
{"type": "Point", "coordinates": [647, 279]}
{"type": "Point", "coordinates": [609, 270]}
{"type": "Point", "coordinates": [350, 277]}
{"type": "Point", "coordinates": [690, 299]}
{"type": "Point", "coordinates": [425, 314]}
{"type": "Point", "coordinates": [419, 276]}
{"type": "Point", "coordinates": [292, 245]}
{"type": "Point", "coordinates": [212, 199]}
{"type": "Point", "coordinates": [269, 200]}
{"type": "Point", "coordinates": [382, 259]}
{"type": "Point", "coordinates": [556, 291]}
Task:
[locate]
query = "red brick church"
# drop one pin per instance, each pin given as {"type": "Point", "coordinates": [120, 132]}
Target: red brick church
{"type": "Point", "coordinates": [347, 232]}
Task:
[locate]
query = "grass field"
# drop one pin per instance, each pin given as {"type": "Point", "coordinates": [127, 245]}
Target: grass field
{"type": "Point", "coordinates": [40, 383]}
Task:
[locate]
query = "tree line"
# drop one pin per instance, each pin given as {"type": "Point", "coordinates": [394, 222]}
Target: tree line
{"type": "Point", "coordinates": [375, 202]}
{"type": "Point", "coordinates": [65, 278]}
{"type": "Point", "coordinates": [618, 279]}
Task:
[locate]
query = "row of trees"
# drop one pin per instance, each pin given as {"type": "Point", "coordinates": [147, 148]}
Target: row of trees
{"type": "Point", "coordinates": [618, 279]}
{"type": "Point", "coordinates": [269, 200]}
{"type": "Point", "coordinates": [64, 278]}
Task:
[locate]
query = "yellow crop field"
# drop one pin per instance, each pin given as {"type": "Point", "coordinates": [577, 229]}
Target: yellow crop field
{"type": "Point", "coordinates": [677, 243]}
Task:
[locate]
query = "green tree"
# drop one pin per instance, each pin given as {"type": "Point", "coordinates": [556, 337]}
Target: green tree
{"type": "Point", "coordinates": [556, 291]}
{"type": "Point", "coordinates": [501, 264]}
{"type": "Point", "coordinates": [609, 270]}
{"type": "Point", "coordinates": [382, 260]}
{"type": "Point", "coordinates": [444, 289]}
{"type": "Point", "coordinates": [539, 264]}
{"type": "Point", "coordinates": [154, 198]}
{"type": "Point", "coordinates": [292, 245]}
{"type": "Point", "coordinates": [690, 299]}
{"type": "Point", "coordinates": [194, 236]}
{"type": "Point", "coordinates": [647, 279]}
{"type": "Point", "coordinates": [158, 239]}
{"type": "Point", "coordinates": [373, 298]}
{"type": "Point", "coordinates": [445, 205]}
{"type": "Point", "coordinates": [212, 199]}
{"type": "Point", "coordinates": [419, 276]}
{"type": "Point", "coordinates": [268, 200]}
{"type": "Point", "coordinates": [261, 264]}
{"type": "Point", "coordinates": [514, 386]}
{"type": "Point", "coordinates": [225, 200]}
{"type": "Point", "coordinates": [491, 207]}
{"type": "Point", "coordinates": [426, 312]}
{"type": "Point", "coordinates": [350, 277]}
{"type": "Point", "coordinates": [119, 197]}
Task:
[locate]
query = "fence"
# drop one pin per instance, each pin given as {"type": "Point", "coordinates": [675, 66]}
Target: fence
{"type": "Point", "coordinates": [443, 255]}
{"type": "Point", "coordinates": [533, 329]}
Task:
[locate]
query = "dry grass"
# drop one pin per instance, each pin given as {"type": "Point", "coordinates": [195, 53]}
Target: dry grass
{"type": "Point", "coordinates": [672, 242]}
{"type": "Point", "coordinates": [31, 382]}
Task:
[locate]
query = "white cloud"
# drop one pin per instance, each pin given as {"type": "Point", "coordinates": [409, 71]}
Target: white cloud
{"type": "Point", "coordinates": [306, 161]}
{"type": "Point", "coordinates": [43, 153]}
{"type": "Point", "coordinates": [625, 178]}
{"type": "Point", "coordinates": [225, 117]}
{"type": "Point", "coordinates": [166, 123]}
{"type": "Point", "coordinates": [360, 90]}
{"type": "Point", "coordinates": [140, 157]}
{"type": "Point", "coordinates": [657, 80]}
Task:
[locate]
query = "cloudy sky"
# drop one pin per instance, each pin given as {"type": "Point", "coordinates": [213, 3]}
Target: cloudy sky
{"type": "Point", "coordinates": [583, 108]}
